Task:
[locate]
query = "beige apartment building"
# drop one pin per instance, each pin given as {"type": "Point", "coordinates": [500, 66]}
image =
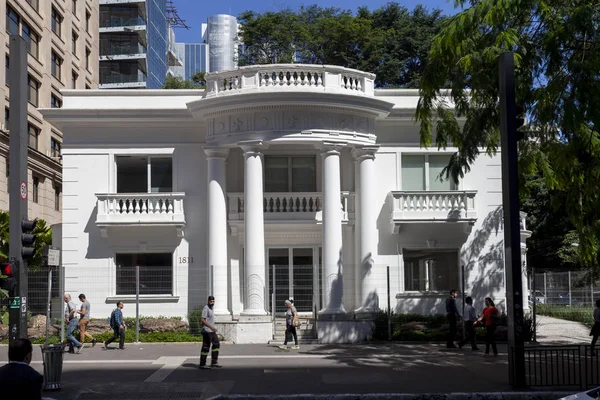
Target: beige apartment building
{"type": "Point", "coordinates": [62, 38]}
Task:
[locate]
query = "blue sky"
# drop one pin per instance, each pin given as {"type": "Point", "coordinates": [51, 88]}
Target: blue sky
{"type": "Point", "coordinates": [195, 12]}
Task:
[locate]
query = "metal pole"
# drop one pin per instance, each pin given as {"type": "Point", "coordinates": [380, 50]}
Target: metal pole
{"type": "Point", "coordinates": [49, 303]}
{"type": "Point", "coordinates": [137, 303]}
{"type": "Point", "coordinates": [545, 289]}
{"type": "Point", "coordinates": [570, 302]}
{"type": "Point", "coordinates": [592, 291]}
{"type": "Point", "coordinates": [462, 279]}
{"type": "Point", "coordinates": [534, 296]}
{"type": "Point", "coordinates": [18, 183]}
{"type": "Point", "coordinates": [512, 219]}
{"type": "Point", "coordinates": [389, 306]}
{"type": "Point", "coordinates": [61, 292]}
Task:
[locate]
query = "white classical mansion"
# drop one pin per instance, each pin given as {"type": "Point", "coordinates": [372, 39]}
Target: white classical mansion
{"type": "Point", "coordinates": [277, 181]}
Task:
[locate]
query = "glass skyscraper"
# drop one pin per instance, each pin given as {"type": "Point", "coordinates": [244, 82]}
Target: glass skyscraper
{"type": "Point", "coordinates": [220, 32]}
{"type": "Point", "coordinates": [134, 44]}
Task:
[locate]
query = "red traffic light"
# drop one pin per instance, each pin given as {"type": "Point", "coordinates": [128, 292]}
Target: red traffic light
{"type": "Point", "coordinates": [6, 270]}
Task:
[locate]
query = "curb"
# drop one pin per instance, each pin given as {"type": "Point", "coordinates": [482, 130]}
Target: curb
{"type": "Point", "coordinates": [405, 396]}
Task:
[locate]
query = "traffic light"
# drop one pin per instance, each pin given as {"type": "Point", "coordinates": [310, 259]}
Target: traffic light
{"type": "Point", "coordinates": [519, 121]}
{"type": "Point", "coordinates": [27, 238]}
{"type": "Point", "coordinates": [7, 280]}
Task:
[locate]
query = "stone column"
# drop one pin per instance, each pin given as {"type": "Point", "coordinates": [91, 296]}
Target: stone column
{"type": "Point", "coordinates": [217, 227]}
{"type": "Point", "coordinates": [367, 272]}
{"type": "Point", "coordinates": [333, 287]}
{"type": "Point", "coordinates": [254, 230]}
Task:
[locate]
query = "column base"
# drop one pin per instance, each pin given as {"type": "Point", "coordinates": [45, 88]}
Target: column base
{"type": "Point", "coordinates": [253, 313]}
{"type": "Point", "coordinates": [332, 311]}
{"type": "Point", "coordinates": [366, 312]}
{"type": "Point", "coordinates": [254, 329]}
{"type": "Point", "coordinates": [223, 316]}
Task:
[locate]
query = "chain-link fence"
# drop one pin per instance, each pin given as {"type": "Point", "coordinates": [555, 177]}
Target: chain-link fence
{"type": "Point", "coordinates": [569, 288]}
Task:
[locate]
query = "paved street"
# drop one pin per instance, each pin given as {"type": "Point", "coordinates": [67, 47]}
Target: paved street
{"type": "Point", "coordinates": [153, 370]}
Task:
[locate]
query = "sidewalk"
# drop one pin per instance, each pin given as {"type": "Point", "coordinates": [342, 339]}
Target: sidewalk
{"type": "Point", "coordinates": [559, 331]}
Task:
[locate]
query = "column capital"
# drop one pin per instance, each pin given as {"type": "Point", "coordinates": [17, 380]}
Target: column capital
{"type": "Point", "coordinates": [331, 147]}
{"type": "Point", "coordinates": [216, 152]}
{"type": "Point", "coordinates": [365, 152]}
{"type": "Point", "coordinates": [252, 147]}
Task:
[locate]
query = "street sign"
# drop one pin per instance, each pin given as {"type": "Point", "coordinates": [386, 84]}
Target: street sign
{"type": "Point", "coordinates": [53, 257]}
{"type": "Point", "coordinates": [23, 190]}
{"type": "Point", "coordinates": [15, 302]}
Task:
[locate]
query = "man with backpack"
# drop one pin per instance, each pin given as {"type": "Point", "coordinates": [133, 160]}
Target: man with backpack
{"type": "Point", "coordinates": [209, 336]}
{"type": "Point", "coordinates": [118, 326]}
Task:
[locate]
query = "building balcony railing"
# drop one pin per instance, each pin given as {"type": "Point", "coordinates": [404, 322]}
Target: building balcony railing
{"type": "Point", "coordinates": [116, 49]}
{"type": "Point", "coordinates": [419, 206]}
{"type": "Point", "coordinates": [116, 22]}
{"type": "Point", "coordinates": [294, 77]}
{"type": "Point", "coordinates": [105, 2]}
{"type": "Point", "coordinates": [122, 78]}
{"type": "Point", "coordinates": [126, 209]}
{"type": "Point", "coordinates": [301, 206]}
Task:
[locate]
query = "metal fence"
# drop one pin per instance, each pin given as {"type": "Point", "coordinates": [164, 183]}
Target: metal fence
{"type": "Point", "coordinates": [569, 288]}
{"type": "Point", "coordinates": [566, 367]}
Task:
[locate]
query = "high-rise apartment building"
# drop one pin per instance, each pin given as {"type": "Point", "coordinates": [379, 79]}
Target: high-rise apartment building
{"type": "Point", "coordinates": [195, 59]}
{"type": "Point", "coordinates": [221, 34]}
{"type": "Point", "coordinates": [62, 42]}
{"type": "Point", "coordinates": [135, 50]}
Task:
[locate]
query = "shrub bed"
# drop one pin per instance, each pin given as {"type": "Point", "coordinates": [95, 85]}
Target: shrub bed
{"type": "Point", "coordinates": [581, 314]}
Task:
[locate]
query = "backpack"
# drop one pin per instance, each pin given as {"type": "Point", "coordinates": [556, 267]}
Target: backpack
{"type": "Point", "coordinates": [111, 320]}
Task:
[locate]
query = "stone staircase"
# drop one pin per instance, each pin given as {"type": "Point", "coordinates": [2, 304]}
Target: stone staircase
{"type": "Point", "coordinates": [306, 332]}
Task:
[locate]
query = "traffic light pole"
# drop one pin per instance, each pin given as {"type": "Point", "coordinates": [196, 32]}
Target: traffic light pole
{"type": "Point", "coordinates": [17, 79]}
{"type": "Point", "coordinates": [512, 234]}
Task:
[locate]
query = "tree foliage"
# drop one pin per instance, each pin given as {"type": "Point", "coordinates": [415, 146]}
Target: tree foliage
{"type": "Point", "coordinates": [391, 41]}
{"type": "Point", "coordinates": [556, 47]}
{"type": "Point", "coordinates": [198, 81]}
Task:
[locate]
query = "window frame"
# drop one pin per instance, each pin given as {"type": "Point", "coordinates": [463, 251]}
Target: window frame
{"type": "Point", "coordinates": [427, 181]}
{"type": "Point", "coordinates": [149, 158]}
{"type": "Point", "coordinates": [10, 12]}
{"type": "Point", "coordinates": [88, 16]}
{"type": "Point", "coordinates": [55, 101]}
{"type": "Point", "coordinates": [74, 7]}
{"type": "Point", "coordinates": [32, 128]}
{"type": "Point", "coordinates": [57, 192]}
{"type": "Point", "coordinates": [56, 63]}
{"type": "Point", "coordinates": [290, 183]}
{"type": "Point", "coordinates": [31, 37]}
{"type": "Point", "coordinates": [56, 20]}
{"type": "Point", "coordinates": [55, 147]}
{"type": "Point", "coordinates": [88, 52]}
{"type": "Point", "coordinates": [34, 3]}
{"type": "Point", "coordinates": [35, 189]}
{"type": "Point", "coordinates": [35, 88]}
{"type": "Point", "coordinates": [74, 42]}
{"type": "Point", "coordinates": [455, 250]}
{"type": "Point", "coordinates": [118, 291]}
{"type": "Point", "coordinates": [74, 78]}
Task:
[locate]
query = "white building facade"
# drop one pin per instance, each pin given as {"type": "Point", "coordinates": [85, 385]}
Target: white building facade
{"type": "Point", "coordinates": [277, 181]}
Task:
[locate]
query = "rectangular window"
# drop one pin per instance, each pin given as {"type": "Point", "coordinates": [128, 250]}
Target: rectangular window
{"type": "Point", "coordinates": [55, 101]}
{"type": "Point", "coordinates": [430, 270]}
{"type": "Point", "coordinates": [422, 172]}
{"type": "Point", "coordinates": [75, 36]}
{"type": "Point", "coordinates": [36, 189]}
{"type": "Point", "coordinates": [56, 64]}
{"type": "Point", "coordinates": [34, 134]}
{"type": "Point", "coordinates": [32, 90]}
{"type": "Point", "coordinates": [74, 7]}
{"type": "Point", "coordinates": [56, 21]}
{"type": "Point", "coordinates": [88, 16]}
{"type": "Point", "coordinates": [142, 174]}
{"type": "Point", "coordinates": [6, 69]}
{"type": "Point", "coordinates": [32, 40]}
{"type": "Point", "coordinates": [87, 58]}
{"type": "Point", "coordinates": [33, 3]}
{"type": "Point", "coordinates": [12, 21]}
{"type": "Point", "coordinates": [290, 174]}
{"type": "Point", "coordinates": [6, 118]}
{"type": "Point", "coordinates": [55, 148]}
{"type": "Point", "coordinates": [156, 273]}
{"type": "Point", "coordinates": [74, 77]}
{"type": "Point", "coordinates": [57, 191]}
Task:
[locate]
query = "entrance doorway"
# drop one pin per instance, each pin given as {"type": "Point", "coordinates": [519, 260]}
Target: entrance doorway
{"type": "Point", "coordinates": [294, 273]}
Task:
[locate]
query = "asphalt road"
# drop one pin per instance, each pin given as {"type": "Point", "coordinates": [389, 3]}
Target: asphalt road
{"type": "Point", "coordinates": [150, 371]}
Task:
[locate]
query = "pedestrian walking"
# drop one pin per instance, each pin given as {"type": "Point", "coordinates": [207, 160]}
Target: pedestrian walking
{"type": "Point", "coordinates": [291, 321]}
{"type": "Point", "coordinates": [209, 336]}
{"type": "Point", "coordinates": [490, 315]}
{"type": "Point", "coordinates": [84, 319]}
{"type": "Point", "coordinates": [118, 326]}
{"type": "Point", "coordinates": [71, 318]}
{"type": "Point", "coordinates": [470, 318]}
{"type": "Point", "coordinates": [453, 318]}
{"type": "Point", "coordinates": [595, 332]}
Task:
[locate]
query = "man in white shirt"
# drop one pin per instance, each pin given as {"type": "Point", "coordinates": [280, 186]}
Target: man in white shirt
{"type": "Point", "coordinates": [71, 319]}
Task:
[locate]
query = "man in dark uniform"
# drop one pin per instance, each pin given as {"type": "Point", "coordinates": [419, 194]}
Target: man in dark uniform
{"type": "Point", "coordinates": [209, 336]}
{"type": "Point", "coordinates": [17, 378]}
{"type": "Point", "coordinates": [453, 318]}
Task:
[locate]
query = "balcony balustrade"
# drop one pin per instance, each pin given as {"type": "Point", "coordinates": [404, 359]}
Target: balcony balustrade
{"type": "Point", "coordinates": [291, 206]}
{"type": "Point", "coordinates": [432, 206]}
{"type": "Point", "coordinates": [127, 209]}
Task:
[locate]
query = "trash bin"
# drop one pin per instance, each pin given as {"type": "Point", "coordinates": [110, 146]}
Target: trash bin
{"type": "Point", "coordinates": [53, 363]}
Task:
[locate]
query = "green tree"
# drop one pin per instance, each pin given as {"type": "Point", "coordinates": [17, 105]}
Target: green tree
{"type": "Point", "coordinates": [391, 42]}
{"type": "Point", "coordinates": [175, 82]}
{"type": "Point", "coordinates": [557, 56]}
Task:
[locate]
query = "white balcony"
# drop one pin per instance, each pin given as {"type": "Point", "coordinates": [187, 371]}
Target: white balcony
{"type": "Point", "coordinates": [291, 207]}
{"type": "Point", "coordinates": [432, 206]}
{"type": "Point", "coordinates": [141, 209]}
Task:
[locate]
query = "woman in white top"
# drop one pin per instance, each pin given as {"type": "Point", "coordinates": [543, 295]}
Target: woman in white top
{"type": "Point", "coordinates": [291, 320]}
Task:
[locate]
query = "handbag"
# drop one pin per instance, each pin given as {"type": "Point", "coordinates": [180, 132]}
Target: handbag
{"type": "Point", "coordinates": [297, 322]}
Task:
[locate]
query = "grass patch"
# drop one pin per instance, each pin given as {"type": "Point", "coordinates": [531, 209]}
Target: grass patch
{"type": "Point", "coordinates": [581, 314]}
{"type": "Point", "coordinates": [151, 337]}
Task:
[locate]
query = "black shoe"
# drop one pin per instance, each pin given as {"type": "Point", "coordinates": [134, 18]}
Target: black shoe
{"type": "Point", "coordinates": [215, 365]}
{"type": "Point", "coordinates": [93, 342]}
{"type": "Point", "coordinates": [204, 366]}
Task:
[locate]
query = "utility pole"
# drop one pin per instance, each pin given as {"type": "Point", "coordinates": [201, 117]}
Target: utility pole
{"type": "Point", "coordinates": [512, 234]}
{"type": "Point", "coordinates": [20, 228]}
